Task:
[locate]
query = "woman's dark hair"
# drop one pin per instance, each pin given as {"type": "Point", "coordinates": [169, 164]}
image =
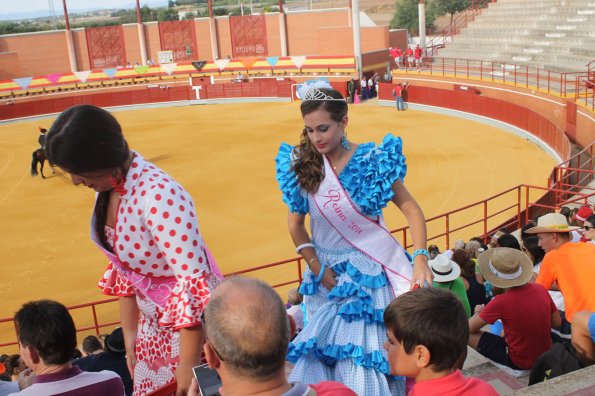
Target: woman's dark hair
{"type": "Point", "coordinates": [463, 259]}
{"type": "Point", "coordinates": [524, 235]}
{"type": "Point", "coordinates": [591, 219]}
{"type": "Point", "coordinates": [309, 164]}
{"type": "Point", "coordinates": [531, 245]}
{"type": "Point", "coordinates": [86, 138]}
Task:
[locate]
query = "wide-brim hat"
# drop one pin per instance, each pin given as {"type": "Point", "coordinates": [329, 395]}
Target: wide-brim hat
{"type": "Point", "coordinates": [115, 342]}
{"type": "Point", "coordinates": [551, 222]}
{"type": "Point", "coordinates": [444, 269]}
{"type": "Point", "coordinates": [505, 267]}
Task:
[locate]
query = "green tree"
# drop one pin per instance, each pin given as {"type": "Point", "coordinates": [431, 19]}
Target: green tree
{"type": "Point", "coordinates": [189, 16]}
{"type": "Point", "coordinates": [450, 7]}
{"type": "Point", "coordinates": [171, 4]}
{"type": "Point", "coordinates": [407, 16]}
{"type": "Point", "coordinates": [168, 14]}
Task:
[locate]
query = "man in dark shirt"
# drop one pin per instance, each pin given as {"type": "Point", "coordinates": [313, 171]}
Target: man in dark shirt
{"type": "Point", "coordinates": [113, 359]}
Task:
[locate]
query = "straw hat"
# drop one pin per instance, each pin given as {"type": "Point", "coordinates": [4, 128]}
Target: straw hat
{"type": "Point", "coordinates": [551, 222]}
{"type": "Point", "coordinates": [444, 269]}
{"type": "Point", "coordinates": [505, 267]}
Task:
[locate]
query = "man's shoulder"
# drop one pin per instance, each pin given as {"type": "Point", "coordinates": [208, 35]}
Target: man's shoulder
{"type": "Point", "coordinates": [332, 388]}
{"type": "Point", "coordinates": [82, 383]}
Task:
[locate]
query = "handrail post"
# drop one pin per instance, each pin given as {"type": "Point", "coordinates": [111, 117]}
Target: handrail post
{"type": "Point", "coordinates": [447, 218]}
{"type": "Point", "coordinates": [518, 197]}
{"type": "Point", "coordinates": [485, 220]}
{"type": "Point", "coordinates": [526, 204]}
{"type": "Point", "coordinates": [299, 262]}
{"type": "Point", "coordinates": [95, 321]}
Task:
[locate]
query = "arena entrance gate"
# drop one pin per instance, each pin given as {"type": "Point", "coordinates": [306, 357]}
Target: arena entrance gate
{"type": "Point", "coordinates": [106, 46]}
{"type": "Point", "coordinates": [248, 35]}
{"type": "Point", "coordinates": [180, 38]}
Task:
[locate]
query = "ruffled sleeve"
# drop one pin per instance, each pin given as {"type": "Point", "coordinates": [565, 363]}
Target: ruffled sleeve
{"type": "Point", "coordinates": [371, 173]}
{"type": "Point", "coordinates": [113, 283]}
{"type": "Point", "coordinates": [288, 182]}
{"type": "Point", "coordinates": [186, 302]}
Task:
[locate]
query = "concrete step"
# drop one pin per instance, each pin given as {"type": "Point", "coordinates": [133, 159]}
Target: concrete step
{"type": "Point", "coordinates": [533, 18]}
{"type": "Point", "coordinates": [516, 31]}
{"type": "Point", "coordinates": [525, 49]}
{"type": "Point", "coordinates": [541, 4]}
{"type": "Point", "coordinates": [522, 11]}
{"type": "Point", "coordinates": [528, 41]}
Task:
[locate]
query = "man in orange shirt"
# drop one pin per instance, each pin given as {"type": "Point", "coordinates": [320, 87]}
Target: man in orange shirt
{"type": "Point", "coordinates": [567, 266]}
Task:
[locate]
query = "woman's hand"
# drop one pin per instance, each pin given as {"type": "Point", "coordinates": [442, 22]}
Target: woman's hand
{"type": "Point", "coordinates": [421, 272]}
{"type": "Point", "coordinates": [131, 361]}
{"type": "Point", "coordinates": [328, 279]}
{"type": "Point", "coordinates": [183, 378]}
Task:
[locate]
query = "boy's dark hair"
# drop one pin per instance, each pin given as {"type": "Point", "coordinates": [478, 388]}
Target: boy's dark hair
{"type": "Point", "coordinates": [48, 327]}
{"type": "Point", "coordinates": [434, 318]}
{"type": "Point", "coordinates": [91, 344]}
{"type": "Point", "coordinates": [509, 241]}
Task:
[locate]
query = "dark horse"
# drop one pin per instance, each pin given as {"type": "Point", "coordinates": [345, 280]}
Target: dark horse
{"type": "Point", "coordinates": [38, 157]}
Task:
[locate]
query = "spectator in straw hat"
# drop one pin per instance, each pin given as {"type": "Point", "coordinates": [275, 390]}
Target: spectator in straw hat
{"type": "Point", "coordinates": [567, 266]}
{"type": "Point", "coordinates": [446, 276]}
{"type": "Point", "coordinates": [526, 310]}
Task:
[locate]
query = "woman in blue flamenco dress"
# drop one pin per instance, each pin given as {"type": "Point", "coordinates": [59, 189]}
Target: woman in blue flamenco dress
{"type": "Point", "coordinates": [355, 267]}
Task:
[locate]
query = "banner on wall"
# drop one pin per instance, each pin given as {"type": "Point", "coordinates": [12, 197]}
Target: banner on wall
{"type": "Point", "coordinates": [165, 57]}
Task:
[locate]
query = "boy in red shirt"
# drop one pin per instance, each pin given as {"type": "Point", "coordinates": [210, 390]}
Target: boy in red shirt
{"type": "Point", "coordinates": [427, 340]}
{"type": "Point", "coordinates": [526, 310]}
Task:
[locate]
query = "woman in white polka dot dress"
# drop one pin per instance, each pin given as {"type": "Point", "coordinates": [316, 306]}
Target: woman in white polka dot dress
{"type": "Point", "coordinates": [145, 223]}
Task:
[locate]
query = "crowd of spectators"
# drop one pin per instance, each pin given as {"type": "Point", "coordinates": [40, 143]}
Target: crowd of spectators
{"type": "Point", "coordinates": [540, 292]}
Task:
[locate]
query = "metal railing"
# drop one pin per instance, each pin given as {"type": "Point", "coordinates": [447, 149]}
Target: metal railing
{"type": "Point", "coordinates": [562, 84]}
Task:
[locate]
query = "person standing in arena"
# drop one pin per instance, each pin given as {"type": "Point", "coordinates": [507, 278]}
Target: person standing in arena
{"type": "Point", "coordinates": [355, 267]}
{"type": "Point", "coordinates": [145, 223]}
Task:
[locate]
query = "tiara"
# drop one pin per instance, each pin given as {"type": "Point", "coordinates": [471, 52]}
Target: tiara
{"type": "Point", "coordinates": [311, 90]}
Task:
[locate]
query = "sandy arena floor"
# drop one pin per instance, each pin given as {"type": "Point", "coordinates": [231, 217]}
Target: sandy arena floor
{"type": "Point", "coordinates": [224, 155]}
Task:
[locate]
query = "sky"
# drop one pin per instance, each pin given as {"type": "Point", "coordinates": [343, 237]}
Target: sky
{"type": "Point", "coordinates": [10, 7]}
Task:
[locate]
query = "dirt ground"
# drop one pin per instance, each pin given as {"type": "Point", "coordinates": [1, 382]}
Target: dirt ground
{"type": "Point", "coordinates": [224, 155]}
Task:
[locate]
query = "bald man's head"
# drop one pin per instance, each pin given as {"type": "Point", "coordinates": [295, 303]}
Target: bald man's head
{"type": "Point", "coordinates": [246, 323]}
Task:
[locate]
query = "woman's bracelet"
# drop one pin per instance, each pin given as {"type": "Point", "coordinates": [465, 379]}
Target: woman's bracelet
{"type": "Point", "coordinates": [303, 246]}
{"type": "Point", "coordinates": [419, 252]}
{"type": "Point", "coordinates": [321, 273]}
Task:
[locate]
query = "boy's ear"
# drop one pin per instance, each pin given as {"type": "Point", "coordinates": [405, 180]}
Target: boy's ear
{"type": "Point", "coordinates": [422, 356]}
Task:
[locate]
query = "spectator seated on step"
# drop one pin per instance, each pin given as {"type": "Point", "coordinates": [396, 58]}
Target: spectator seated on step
{"type": "Point", "coordinates": [567, 266]}
{"type": "Point", "coordinates": [476, 291]}
{"type": "Point", "coordinates": [47, 339]}
{"type": "Point", "coordinates": [526, 310]}
{"type": "Point", "coordinates": [446, 276]}
{"type": "Point", "coordinates": [427, 340]}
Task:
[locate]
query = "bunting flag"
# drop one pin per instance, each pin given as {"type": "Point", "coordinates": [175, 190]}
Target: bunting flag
{"type": "Point", "coordinates": [53, 78]}
{"type": "Point", "coordinates": [221, 63]}
{"type": "Point", "coordinates": [83, 75]}
{"type": "Point", "coordinates": [273, 60]}
{"type": "Point", "coordinates": [248, 62]}
{"type": "Point", "coordinates": [169, 68]}
{"type": "Point", "coordinates": [110, 72]}
{"type": "Point", "coordinates": [141, 69]}
{"type": "Point", "coordinates": [23, 82]}
{"type": "Point", "coordinates": [298, 61]}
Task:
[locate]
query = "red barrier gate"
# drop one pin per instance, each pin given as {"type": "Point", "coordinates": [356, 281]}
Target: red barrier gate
{"type": "Point", "coordinates": [248, 35]}
{"type": "Point", "coordinates": [106, 46]}
{"type": "Point", "coordinates": [179, 37]}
